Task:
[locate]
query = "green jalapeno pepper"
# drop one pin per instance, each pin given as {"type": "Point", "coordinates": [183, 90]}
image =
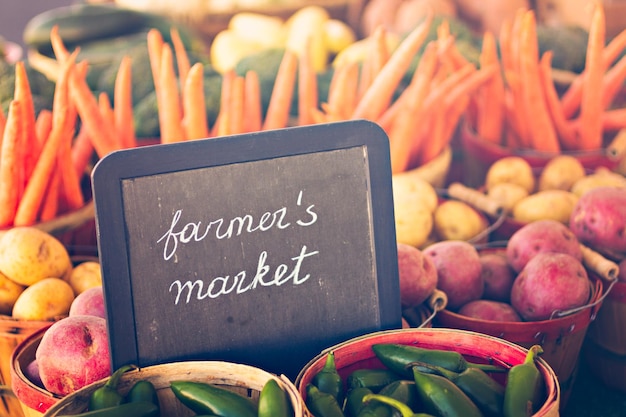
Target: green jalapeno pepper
{"type": "Point", "coordinates": [107, 395]}
{"type": "Point", "coordinates": [403, 409]}
{"type": "Point", "coordinates": [374, 379]}
{"type": "Point", "coordinates": [137, 409]}
{"type": "Point", "coordinates": [523, 386]}
{"type": "Point", "coordinates": [322, 404]}
{"type": "Point", "coordinates": [354, 400]}
{"type": "Point", "coordinates": [273, 401]}
{"type": "Point", "coordinates": [143, 390]}
{"type": "Point", "coordinates": [204, 398]}
{"type": "Point", "coordinates": [328, 379]}
{"type": "Point", "coordinates": [403, 391]}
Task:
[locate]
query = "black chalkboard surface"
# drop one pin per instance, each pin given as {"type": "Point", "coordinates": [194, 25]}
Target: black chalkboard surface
{"type": "Point", "coordinates": [262, 248]}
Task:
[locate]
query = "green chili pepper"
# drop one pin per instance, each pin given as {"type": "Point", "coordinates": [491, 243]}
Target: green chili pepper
{"type": "Point", "coordinates": [523, 386]}
{"type": "Point", "coordinates": [403, 391]}
{"type": "Point", "coordinates": [440, 396]}
{"type": "Point", "coordinates": [354, 400]}
{"type": "Point", "coordinates": [107, 395]}
{"type": "Point", "coordinates": [483, 390]}
{"type": "Point", "coordinates": [273, 401]}
{"type": "Point", "coordinates": [322, 404]}
{"type": "Point", "coordinates": [397, 357]}
{"type": "Point", "coordinates": [143, 390]}
{"type": "Point", "coordinates": [328, 379]}
{"type": "Point", "coordinates": [404, 409]}
{"type": "Point", "coordinates": [138, 409]}
{"type": "Point", "coordinates": [204, 398]}
{"type": "Point", "coordinates": [374, 379]}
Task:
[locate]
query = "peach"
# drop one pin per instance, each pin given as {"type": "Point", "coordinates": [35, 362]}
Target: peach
{"type": "Point", "coordinates": [89, 302]}
{"type": "Point", "coordinates": [418, 276]}
{"type": "Point", "coordinates": [73, 353]}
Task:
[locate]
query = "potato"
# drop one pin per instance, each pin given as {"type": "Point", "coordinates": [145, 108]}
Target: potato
{"type": "Point", "coordinates": [512, 169]}
{"type": "Point", "coordinates": [410, 185]}
{"type": "Point", "coordinates": [44, 300]}
{"type": "Point", "coordinates": [548, 204]}
{"type": "Point", "coordinates": [28, 255]}
{"type": "Point", "coordinates": [599, 178]}
{"type": "Point", "coordinates": [507, 194]}
{"type": "Point", "coordinates": [84, 276]}
{"type": "Point", "coordinates": [560, 173]}
{"type": "Point", "coordinates": [414, 221]}
{"type": "Point", "coordinates": [457, 220]}
{"type": "Point", "coordinates": [9, 292]}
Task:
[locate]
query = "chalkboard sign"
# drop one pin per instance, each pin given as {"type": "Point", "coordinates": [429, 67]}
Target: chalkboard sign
{"type": "Point", "coordinates": [262, 248]}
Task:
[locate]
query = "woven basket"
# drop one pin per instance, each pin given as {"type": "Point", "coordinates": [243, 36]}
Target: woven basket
{"type": "Point", "coordinates": [244, 379]}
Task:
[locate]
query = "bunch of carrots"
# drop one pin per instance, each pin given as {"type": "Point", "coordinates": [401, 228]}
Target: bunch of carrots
{"type": "Point", "coordinates": [44, 156]}
{"type": "Point", "coordinates": [521, 108]}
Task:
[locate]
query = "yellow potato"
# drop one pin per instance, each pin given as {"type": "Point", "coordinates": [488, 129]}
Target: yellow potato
{"type": "Point", "coordinates": [598, 179]}
{"type": "Point", "coordinates": [409, 185]}
{"type": "Point", "coordinates": [28, 255]}
{"type": "Point", "coordinates": [548, 204]}
{"type": "Point", "coordinates": [560, 173]}
{"type": "Point", "coordinates": [511, 169]}
{"type": "Point", "coordinates": [507, 194]}
{"type": "Point", "coordinates": [84, 276]}
{"type": "Point", "coordinates": [44, 300]}
{"type": "Point", "coordinates": [457, 220]}
{"type": "Point", "coordinates": [413, 220]}
{"type": "Point", "coordinates": [9, 292]}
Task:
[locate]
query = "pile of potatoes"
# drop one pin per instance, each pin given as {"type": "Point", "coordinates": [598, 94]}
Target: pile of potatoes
{"type": "Point", "coordinates": [38, 280]}
{"type": "Point", "coordinates": [551, 193]}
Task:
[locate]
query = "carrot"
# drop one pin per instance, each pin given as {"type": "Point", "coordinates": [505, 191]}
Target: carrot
{"type": "Point", "coordinates": [252, 102]}
{"type": "Point", "coordinates": [342, 91]}
{"type": "Point", "coordinates": [69, 180]}
{"type": "Point", "coordinates": [182, 58]}
{"type": "Point", "coordinates": [379, 94]}
{"type": "Point", "coordinates": [82, 151]}
{"type": "Point", "coordinates": [43, 126]}
{"type": "Point", "coordinates": [380, 52]}
{"type": "Point", "coordinates": [307, 88]}
{"type": "Point", "coordinates": [104, 105]}
{"type": "Point", "coordinates": [194, 104]}
{"type": "Point", "coordinates": [58, 46]}
{"type": "Point", "coordinates": [542, 132]}
{"type": "Point", "coordinates": [448, 84]}
{"type": "Point", "coordinates": [366, 75]}
{"type": "Point", "coordinates": [504, 38]}
{"type": "Point", "coordinates": [491, 114]}
{"type": "Point", "coordinates": [168, 99]}
{"type": "Point", "coordinates": [10, 165]}
{"type": "Point", "coordinates": [614, 119]}
{"type": "Point", "coordinates": [101, 133]}
{"type": "Point", "coordinates": [29, 144]}
{"type": "Point", "coordinates": [591, 100]}
{"type": "Point", "coordinates": [277, 115]}
{"type": "Point", "coordinates": [564, 129]}
{"type": "Point", "coordinates": [3, 123]}
{"type": "Point", "coordinates": [155, 49]}
{"type": "Point", "coordinates": [237, 106]}
{"type": "Point", "coordinates": [222, 127]}
{"type": "Point", "coordinates": [50, 204]}
{"type": "Point", "coordinates": [613, 82]}
{"type": "Point", "coordinates": [123, 103]}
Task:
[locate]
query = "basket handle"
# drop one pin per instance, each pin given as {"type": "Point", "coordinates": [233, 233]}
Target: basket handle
{"type": "Point", "coordinates": [437, 301]}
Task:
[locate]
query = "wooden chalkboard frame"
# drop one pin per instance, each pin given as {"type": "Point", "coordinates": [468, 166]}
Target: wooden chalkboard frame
{"type": "Point", "coordinates": [112, 228]}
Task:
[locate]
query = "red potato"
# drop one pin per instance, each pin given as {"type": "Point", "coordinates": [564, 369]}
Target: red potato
{"type": "Point", "coordinates": [31, 371]}
{"type": "Point", "coordinates": [599, 218]}
{"type": "Point", "coordinates": [497, 275]}
{"type": "Point", "coordinates": [73, 353]}
{"type": "Point", "coordinates": [490, 310]}
{"type": "Point", "coordinates": [458, 271]}
{"type": "Point", "coordinates": [418, 275]}
{"type": "Point", "coordinates": [538, 237]}
{"type": "Point", "coordinates": [89, 302]}
{"type": "Point", "coordinates": [550, 282]}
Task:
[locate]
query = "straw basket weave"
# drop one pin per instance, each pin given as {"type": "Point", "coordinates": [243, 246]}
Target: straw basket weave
{"type": "Point", "coordinates": [244, 379]}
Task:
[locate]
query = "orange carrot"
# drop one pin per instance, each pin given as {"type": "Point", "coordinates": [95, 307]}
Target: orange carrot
{"type": "Point", "coordinates": [43, 126]}
{"type": "Point", "coordinates": [237, 106]}
{"type": "Point", "coordinates": [222, 127]}
{"type": "Point", "coordinates": [506, 52]}
{"type": "Point", "coordinates": [613, 82]}
{"type": "Point", "coordinates": [469, 84]}
{"type": "Point", "coordinates": [168, 99]}
{"type": "Point", "coordinates": [155, 49]}
{"type": "Point", "coordinates": [277, 116]}
{"type": "Point", "coordinates": [3, 123]}
{"type": "Point", "coordinates": [252, 102]}
{"type": "Point", "coordinates": [182, 58]}
{"type": "Point", "coordinates": [101, 133]}
{"type": "Point", "coordinates": [69, 180]}
{"type": "Point", "coordinates": [50, 204]}
{"type": "Point", "coordinates": [29, 146]}
{"type": "Point", "coordinates": [123, 104]}
{"type": "Point", "coordinates": [614, 119]}
{"type": "Point", "coordinates": [380, 52]}
{"type": "Point", "coordinates": [104, 105]}
{"type": "Point", "coordinates": [379, 94]}
{"type": "Point", "coordinates": [194, 104]}
{"type": "Point", "coordinates": [491, 115]}
{"type": "Point", "coordinates": [58, 46]}
{"type": "Point", "coordinates": [307, 88]}
{"type": "Point", "coordinates": [10, 165]}
{"type": "Point", "coordinates": [591, 100]}
{"type": "Point", "coordinates": [82, 151]}
{"type": "Point", "coordinates": [342, 91]}
{"type": "Point", "coordinates": [448, 83]}
{"type": "Point", "coordinates": [542, 132]}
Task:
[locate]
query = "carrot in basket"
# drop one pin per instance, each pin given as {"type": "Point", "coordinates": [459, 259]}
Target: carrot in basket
{"type": "Point", "coordinates": [69, 180]}
{"type": "Point", "coordinates": [379, 94]}
{"type": "Point", "coordinates": [182, 59]}
{"type": "Point", "coordinates": [82, 151]}
{"type": "Point", "coordinates": [237, 106]}
{"type": "Point", "coordinates": [10, 164]}
{"type": "Point", "coordinates": [613, 82]}
{"type": "Point", "coordinates": [491, 112]}
{"type": "Point", "coordinates": [155, 44]}
{"type": "Point", "coordinates": [252, 102]}
{"type": "Point", "coordinates": [591, 109]}
{"type": "Point", "coordinates": [379, 51]}
{"type": "Point", "coordinates": [58, 46]}
{"type": "Point", "coordinates": [277, 115]}
{"type": "Point", "coordinates": [542, 132]}
{"type": "Point", "coordinates": [504, 38]}
{"type": "Point", "coordinates": [614, 119]}
{"type": "Point", "coordinates": [194, 104]}
{"type": "Point", "coordinates": [168, 99]}
{"type": "Point", "coordinates": [104, 105]}
{"type": "Point", "coordinates": [564, 128]}
{"type": "Point", "coordinates": [50, 205]}
{"type": "Point", "coordinates": [43, 126]}
{"type": "Point", "coordinates": [342, 91]}
{"type": "Point", "coordinates": [123, 103]}
{"type": "Point", "coordinates": [3, 123]}
{"type": "Point", "coordinates": [307, 88]}
{"type": "Point", "coordinates": [28, 146]}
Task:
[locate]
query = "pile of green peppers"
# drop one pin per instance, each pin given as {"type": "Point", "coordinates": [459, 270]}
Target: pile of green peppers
{"type": "Point", "coordinates": [204, 399]}
{"type": "Point", "coordinates": [418, 382]}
